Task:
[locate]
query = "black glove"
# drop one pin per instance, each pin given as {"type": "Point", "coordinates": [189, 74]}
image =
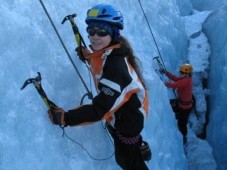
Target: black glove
{"type": "Point", "coordinates": [56, 116]}
{"type": "Point", "coordinates": [79, 51]}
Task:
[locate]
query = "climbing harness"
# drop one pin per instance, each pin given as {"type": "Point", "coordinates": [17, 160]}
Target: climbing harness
{"type": "Point", "coordinates": [50, 105]}
{"type": "Point", "coordinates": [79, 40]}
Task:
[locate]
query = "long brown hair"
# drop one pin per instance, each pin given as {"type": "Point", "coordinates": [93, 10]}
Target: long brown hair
{"type": "Point", "coordinates": [132, 59]}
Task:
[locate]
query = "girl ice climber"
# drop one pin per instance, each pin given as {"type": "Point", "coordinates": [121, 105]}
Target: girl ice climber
{"type": "Point", "coordinates": [122, 98]}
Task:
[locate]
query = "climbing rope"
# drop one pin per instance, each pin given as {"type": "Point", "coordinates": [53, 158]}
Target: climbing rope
{"type": "Point", "coordinates": [160, 56]}
{"type": "Point", "coordinates": [89, 94]}
{"type": "Point", "coordinates": [152, 34]}
{"type": "Point", "coordinates": [96, 159]}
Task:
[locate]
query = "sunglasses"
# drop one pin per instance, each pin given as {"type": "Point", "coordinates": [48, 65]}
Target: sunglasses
{"type": "Point", "coordinates": [99, 32]}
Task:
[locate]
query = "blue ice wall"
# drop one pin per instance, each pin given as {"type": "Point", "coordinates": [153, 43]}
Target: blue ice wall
{"type": "Point", "coordinates": [215, 28]}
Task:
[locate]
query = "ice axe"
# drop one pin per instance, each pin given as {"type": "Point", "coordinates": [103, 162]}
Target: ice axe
{"type": "Point", "coordinates": [37, 83]}
{"type": "Point", "coordinates": [89, 94]}
{"type": "Point", "coordinates": [81, 44]}
{"type": "Point", "coordinates": [159, 62]}
{"type": "Point", "coordinates": [162, 66]}
{"type": "Point", "coordinates": [79, 39]}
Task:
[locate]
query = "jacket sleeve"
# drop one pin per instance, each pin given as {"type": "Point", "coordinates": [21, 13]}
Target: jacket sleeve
{"type": "Point", "coordinates": [82, 115]}
{"type": "Point", "coordinates": [172, 76]}
{"type": "Point", "coordinates": [175, 85]}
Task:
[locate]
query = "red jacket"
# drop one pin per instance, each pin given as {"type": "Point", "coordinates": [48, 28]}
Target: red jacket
{"type": "Point", "coordinates": [184, 89]}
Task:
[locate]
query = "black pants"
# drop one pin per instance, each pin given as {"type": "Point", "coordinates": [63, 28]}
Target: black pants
{"type": "Point", "coordinates": [182, 120]}
{"type": "Point", "coordinates": [127, 156]}
{"type": "Point", "coordinates": [181, 116]}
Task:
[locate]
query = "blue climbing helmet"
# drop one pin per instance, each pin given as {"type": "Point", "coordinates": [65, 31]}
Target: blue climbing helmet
{"type": "Point", "coordinates": [106, 13]}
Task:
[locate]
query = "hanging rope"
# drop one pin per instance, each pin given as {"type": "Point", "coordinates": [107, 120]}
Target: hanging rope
{"type": "Point", "coordinates": [152, 34]}
{"type": "Point", "coordinates": [160, 56]}
{"type": "Point", "coordinates": [89, 94]}
{"type": "Point", "coordinates": [96, 159]}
